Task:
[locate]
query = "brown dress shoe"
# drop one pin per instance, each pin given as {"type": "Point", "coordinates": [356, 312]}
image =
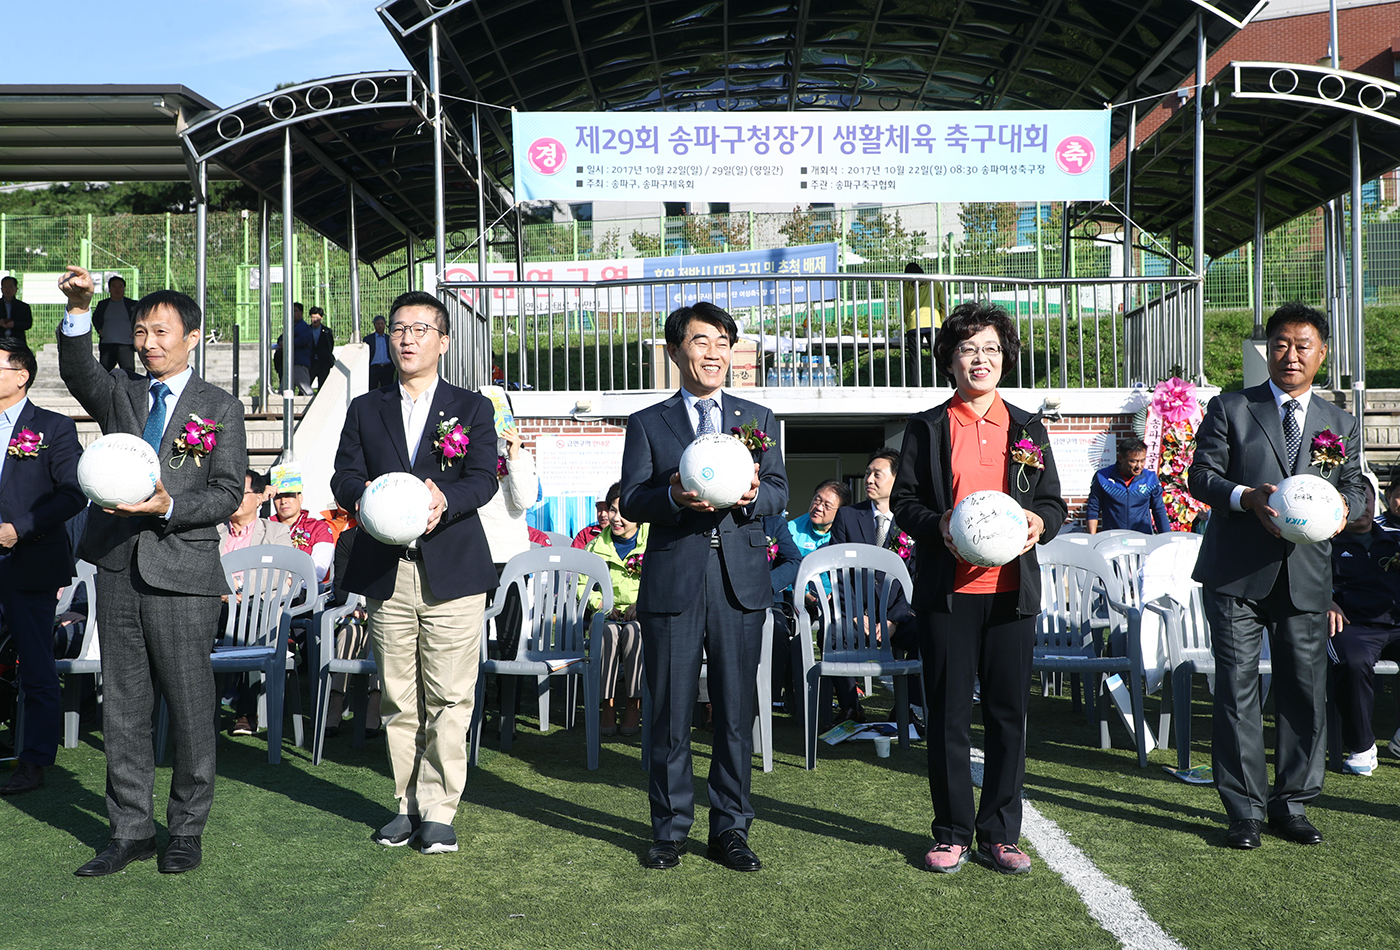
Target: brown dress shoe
{"type": "Point", "coordinates": [27, 777]}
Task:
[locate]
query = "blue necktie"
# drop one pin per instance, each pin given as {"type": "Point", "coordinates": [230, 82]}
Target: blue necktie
{"type": "Point", "coordinates": [707, 422]}
{"type": "Point", "coordinates": [155, 422]}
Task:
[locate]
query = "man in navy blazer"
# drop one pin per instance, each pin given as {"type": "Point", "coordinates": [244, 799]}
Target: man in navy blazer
{"type": "Point", "coordinates": [426, 600]}
{"type": "Point", "coordinates": [1257, 584]}
{"type": "Point", "coordinates": [704, 590]}
{"type": "Point", "coordinates": [38, 493]}
{"type": "Point", "coordinates": [16, 319]}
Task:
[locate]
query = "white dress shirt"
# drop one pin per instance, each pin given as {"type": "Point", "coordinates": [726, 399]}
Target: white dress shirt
{"type": "Point", "coordinates": [1280, 397]}
{"type": "Point", "coordinates": [415, 416]}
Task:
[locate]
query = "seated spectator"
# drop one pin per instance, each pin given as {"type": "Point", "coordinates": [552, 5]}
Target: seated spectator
{"type": "Point", "coordinates": [622, 545]}
{"type": "Point", "coordinates": [812, 531]}
{"type": "Point", "coordinates": [537, 536]}
{"type": "Point", "coordinates": [1364, 625]}
{"type": "Point", "coordinates": [309, 534]}
{"type": "Point", "coordinates": [872, 522]}
{"type": "Point", "coordinates": [783, 561]}
{"type": "Point", "coordinates": [1389, 519]}
{"type": "Point", "coordinates": [592, 531]}
{"type": "Point", "coordinates": [351, 643]}
{"type": "Point", "coordinates": [1123, 495]}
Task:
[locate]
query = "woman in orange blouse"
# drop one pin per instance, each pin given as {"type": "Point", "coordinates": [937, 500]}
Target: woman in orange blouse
{"type": "Point", "coordinates": [976, 622]}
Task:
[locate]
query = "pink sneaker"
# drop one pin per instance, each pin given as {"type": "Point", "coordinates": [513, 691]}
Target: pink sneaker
{"type": "Point", "coordinates": [946, 858]}
{"type": "Point", "coordinates": [1004, 858]}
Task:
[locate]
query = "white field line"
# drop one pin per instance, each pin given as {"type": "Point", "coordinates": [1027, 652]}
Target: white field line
{"type": "Point", "coordinates": [1112, 905]}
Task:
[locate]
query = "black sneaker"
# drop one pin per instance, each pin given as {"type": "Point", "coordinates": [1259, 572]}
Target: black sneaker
{"type": "Point", "coordinates": [437, 838]}
{"type": "Point", "coordinates": [399, 832]}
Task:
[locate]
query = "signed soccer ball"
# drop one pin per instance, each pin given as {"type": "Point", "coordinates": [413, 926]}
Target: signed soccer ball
{"type": "Point", "coordinates": [718, 468]}
{"type": "Point", "coordinates": [988, 528]}
{"type": "Point", "coordinates": [1309, 509]}
{"type": "Point", "coordinates": [394, 508]}
{"type": "Point", "coordinates": [118, 469]}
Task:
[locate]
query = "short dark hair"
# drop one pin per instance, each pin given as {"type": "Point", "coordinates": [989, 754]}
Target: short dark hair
{"type": "Point", "coordinates": [20, 357]}
{"type": "Point", "coordinates": [421, 298]}
{"type": "Point", "coordinates": [887, 453]}
{"type": "Point", "coordinates": [296, 305]}
{"type": "Point", "coordinates": [913, 268]}
{"type": "Point", "coordinates": [320, 310]}
{"type": "Point", "coordinates": [183, 304]}
{"type": "Point", "coordinates": [1394, 486]}
{"type": "Point", "coordinates": [1296, 312]}
{"type": "Point", "coordinates": [378, 317]}
{"type": "Point", "coordinates": [115, 277]}
{"type": "Point", "coordinates": [258, 480]}
{"type": "Point", "coordinates": [679, 320]}
{"type": "Point", "coordinates": [968, 319]}
{"type": "Point", "coordinates": [842, 490]}
{"type": "Point", "coordinates": [614, 493]}
{"type": "Point", "coordinates": [1130, 445]}
{"type": "Point", "coordinates": [10, 278]}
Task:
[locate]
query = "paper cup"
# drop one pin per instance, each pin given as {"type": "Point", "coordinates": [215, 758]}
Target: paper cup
{"type": "Point", "coordinates": [882, 746]}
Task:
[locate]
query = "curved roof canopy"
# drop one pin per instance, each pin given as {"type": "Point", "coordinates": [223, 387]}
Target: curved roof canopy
{"type": "Point", "coordinates": [647, 55]}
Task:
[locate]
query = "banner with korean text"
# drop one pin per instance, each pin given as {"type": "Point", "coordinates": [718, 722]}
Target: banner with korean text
{"type": "Point", "coordinates": [800, 157]}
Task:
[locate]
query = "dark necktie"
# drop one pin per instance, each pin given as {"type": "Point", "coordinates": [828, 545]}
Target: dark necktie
{"type": "Point", "coordinates": [707, 422]}
{"type": "Point", "coordinates": [155, 421]}
{"type": "Point", "coordinates": [1292, 432]}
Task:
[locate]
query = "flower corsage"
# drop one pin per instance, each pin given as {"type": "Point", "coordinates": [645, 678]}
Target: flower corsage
{"type": "Point", "coordinates": [501, 468]}
{"type": "Point", "coordinates": [901, 544]}
{"type": "Point", "coordinates": [26, 444]}
{"type": "Point", "coordinates": [1328, 451]}
{"type": "Point", "coordinates": [632, 565]}
{"type": "Point", "coordinates": [195, 441]}
{"type": "Point", "coordinates": [451, 442]}
{"type": "Point", "coordinates": [752, 436]}
{"type": "Point", "coordinates": [772, 549]}
{"type": "Point", "coordinates": [1026, 454]}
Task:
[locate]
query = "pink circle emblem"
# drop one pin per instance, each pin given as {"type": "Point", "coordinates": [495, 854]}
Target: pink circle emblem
{"type": "Point", "coordinates": [1075, 155]}
{"type": "Point", "coordinates": [546, 156]}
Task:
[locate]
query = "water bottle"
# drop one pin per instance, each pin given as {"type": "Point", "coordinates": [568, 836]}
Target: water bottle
{"type": "Point", "coordinates": [771, 379]}
{"type": "Point", "coordinates": [803, 373]}
{"type": "Point", "coordinates": [786, 373]}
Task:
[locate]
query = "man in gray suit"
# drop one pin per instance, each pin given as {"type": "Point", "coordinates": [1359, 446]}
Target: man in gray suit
{"type": "Point", "coordinates": [159, 579]}
{"type": "Point", "coordinates": [704, 589]}
{"type": "Point", "coordinates": [1255, 581]}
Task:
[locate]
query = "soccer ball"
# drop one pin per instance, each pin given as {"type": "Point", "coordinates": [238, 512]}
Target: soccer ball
{"type": "Point", "coordinates": [718, 468]}
{"type": "Point", "coordinates": [394, 508]}
{"type": "Point", "coordinates": [118, 469]}
{"type": "Point", "coordinates": [1309, 509]}
{"type": "Point", "coordinates": [988, 528]}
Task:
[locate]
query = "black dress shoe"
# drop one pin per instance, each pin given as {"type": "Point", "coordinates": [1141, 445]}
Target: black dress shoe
{"type": "Point", "coordinates": [27, 777]}
{"type": "Point", "coordinates": [664, 854]}
{"type": "Point", "coordinates": [1295, 828]}
{"type": "Point", "coordinates": [118, 854]}
{"type": "Point", "coordinates": [1243, 834]}
{"type": "Point", "coordinates": [183, 853]}
{"type": "Point", "coordinates": [732, 850]}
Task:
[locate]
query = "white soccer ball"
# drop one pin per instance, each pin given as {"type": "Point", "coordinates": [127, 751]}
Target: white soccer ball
{"type": "Point", "coordinates": [988, 528]}
{"type": "Point", "coordinates": [1309, 509]}
{"type": "Point", "coordinates": [118, 469]}
{"type": "Point", "coordinates": [718, 468]}
{"type": "Point", "coordinates": [394, 508]}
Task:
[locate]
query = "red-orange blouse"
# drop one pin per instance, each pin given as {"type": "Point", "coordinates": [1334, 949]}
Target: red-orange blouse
{"type": "Point", "coordinates": [981, 462]}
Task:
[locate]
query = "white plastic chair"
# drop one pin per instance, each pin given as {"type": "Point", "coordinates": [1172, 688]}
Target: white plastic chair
{"type": "Point", "coordinates": [326, 664]}
{"type": "Point", "coordinates": [862, 579]}
{"type": "Point", "coordinates": [87, 662]}
{"type": "Point", "coordinates": [555, 585]}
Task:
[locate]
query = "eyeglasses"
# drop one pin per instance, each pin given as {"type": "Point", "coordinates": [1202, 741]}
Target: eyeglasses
{"type": "Point", "coordinates": [968, 351]}
{"type": "Point", "coordinates": [420, 330]}
{"type": "Point", "coordinates": [820, 505]}
{"type": "Point", "coordinates": [13, 369]}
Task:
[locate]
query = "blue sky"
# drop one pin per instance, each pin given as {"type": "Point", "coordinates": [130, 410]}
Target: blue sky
{"type": "Point", "coordinates": [224, 50]}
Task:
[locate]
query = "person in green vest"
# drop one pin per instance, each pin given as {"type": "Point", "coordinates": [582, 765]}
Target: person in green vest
{"type": "Point", "coordinates": [924, 306]}
{"type": "Point", "coordinates": [621, 544]}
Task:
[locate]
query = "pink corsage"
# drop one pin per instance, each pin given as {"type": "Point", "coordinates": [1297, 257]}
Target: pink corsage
{"type": "Point", "coordinates": [1026, 454]}
{"type": "Point", "coordinates": [501, 469]}
{"type": "Point", "coordinates": [752, 436]}
{"type": "Point", "coordinates": [26, 444]}
{"type": "Point", "coordinates": [195, 441]}
{"type": "Point", "coordinates": [772, 549]}
{"type": "Point", "coordinates": [632, 566]}
{"type": "Point", "coordinates": [901, 544]}
{"type": "Point", "coordinates": [1328, 451]}
{"type": "Point", "coordinates": [451, 442]}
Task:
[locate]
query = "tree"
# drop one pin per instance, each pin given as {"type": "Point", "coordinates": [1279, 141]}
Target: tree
{"type": "Point", "coordinates": [805, 227]}
{"type": "Point", "coordinates": [882, 238]}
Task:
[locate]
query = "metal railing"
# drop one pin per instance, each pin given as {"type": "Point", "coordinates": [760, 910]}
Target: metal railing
{"type": "Point", "coordinates": [820, 330]}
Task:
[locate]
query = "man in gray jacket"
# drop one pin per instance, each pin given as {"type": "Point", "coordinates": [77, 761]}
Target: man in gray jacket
{"type": "Point", "coordinates": [159, 580]}
{"type": "Point", "coordinates": [1257, 583]}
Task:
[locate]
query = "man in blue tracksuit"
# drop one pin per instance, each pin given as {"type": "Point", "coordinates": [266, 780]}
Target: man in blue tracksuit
{"type": "Point", "coordinates": [1123, 495]}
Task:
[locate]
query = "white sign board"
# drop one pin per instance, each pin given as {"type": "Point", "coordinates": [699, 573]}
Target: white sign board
{"type": "Point", "coordinates": [578, 465]}
{"type": "Point", "coordinates": [799, 157]}
{"type": "Point", "coordinates": [1078, 455]}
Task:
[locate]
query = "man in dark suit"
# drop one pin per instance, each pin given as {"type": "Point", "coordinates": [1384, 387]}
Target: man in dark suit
{"type": "Point", "coordinates": [16, 319]}
{"type": "Point", "coordinates": [323, 346]}
{"type": "Point", "coordinates": [1256, 582]}
{"type": "Point", "coordinates": [38, 493]}
{"type": "Point", "coordinates": [159, 580]}
{"type": "Point", "coordinates": [381, 366]}
{"type": "Point", "coordinates": [872, 522]}
{"type": "Point", "coordinates": [425, 601]}
{"type": "Point", "coordinates": [704, 590]}
{"type": "Point", "coordinates": [112, 321]}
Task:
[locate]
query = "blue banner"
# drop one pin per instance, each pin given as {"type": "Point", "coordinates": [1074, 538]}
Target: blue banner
{"type": "Point", "coordinates": [788, 270]}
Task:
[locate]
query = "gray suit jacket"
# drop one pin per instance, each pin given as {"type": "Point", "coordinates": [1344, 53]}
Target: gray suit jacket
{"type": "Point", "coordinates": [180, 555]}
{"type": "Point", "coordinates": [1240, 442]}
{"type": "Point", "coordinates": [678, 542]}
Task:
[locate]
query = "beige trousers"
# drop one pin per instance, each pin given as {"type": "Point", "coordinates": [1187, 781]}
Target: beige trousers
{"type": "Point", "coordinates": [429, 654]}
